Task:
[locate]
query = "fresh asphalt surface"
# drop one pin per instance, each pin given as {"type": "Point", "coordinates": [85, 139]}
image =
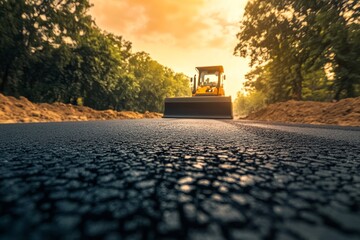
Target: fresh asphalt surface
{"type": "Point", "coordinates": [179, 178]}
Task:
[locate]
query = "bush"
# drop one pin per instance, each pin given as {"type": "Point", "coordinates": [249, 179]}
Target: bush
{"type": "Point", "coordinates": [246, 103]}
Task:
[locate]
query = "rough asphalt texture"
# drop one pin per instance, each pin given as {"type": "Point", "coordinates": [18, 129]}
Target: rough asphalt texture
{"type": "Point", "coordinates": [176, 179]}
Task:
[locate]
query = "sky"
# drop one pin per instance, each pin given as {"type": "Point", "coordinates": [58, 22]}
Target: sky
{"type": "Point", "coordinates": [180, 34]}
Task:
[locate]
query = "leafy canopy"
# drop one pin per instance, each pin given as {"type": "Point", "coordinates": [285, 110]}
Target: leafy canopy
{"type": "Point", "coordinates": [301, 49]}
{"type": "Point", "coordinates": [53, 51]}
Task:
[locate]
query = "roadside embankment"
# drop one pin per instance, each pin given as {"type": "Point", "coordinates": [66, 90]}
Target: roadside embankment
{"type": "Point", "coordinates": [21, 110]}
{"type": "Point", "coordinates": [345, 112]}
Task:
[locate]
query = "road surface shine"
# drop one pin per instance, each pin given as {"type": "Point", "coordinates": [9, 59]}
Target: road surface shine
{"type": "Point", "coordinates": [178, 178]}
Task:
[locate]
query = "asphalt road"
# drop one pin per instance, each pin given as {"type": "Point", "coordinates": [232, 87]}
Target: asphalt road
{"type": "Point", "coordinates": [177, 178]}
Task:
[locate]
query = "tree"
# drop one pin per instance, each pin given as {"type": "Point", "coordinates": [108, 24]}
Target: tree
{"type": "Point", "coordinates": [290, 40]}
{"type": "Point", "coordinates": [36, 31]}
{"type": "Point", "coordinates": [156, 82]}
{"type": "Point", "coordinates": [337, 26]}
{"type": "Point", "coordinates": [270, 36]}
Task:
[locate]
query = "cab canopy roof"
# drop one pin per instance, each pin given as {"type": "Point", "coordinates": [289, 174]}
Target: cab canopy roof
{"type": "Point", "coordinates": [211, 69]}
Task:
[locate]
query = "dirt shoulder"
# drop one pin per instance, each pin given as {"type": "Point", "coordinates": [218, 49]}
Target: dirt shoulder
{"type": "Point", "coordinates": [14, 110]}
{"type": "Point", "coordinates": [345, 112]}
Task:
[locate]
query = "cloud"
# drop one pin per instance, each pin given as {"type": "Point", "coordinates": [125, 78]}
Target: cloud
{"type": "Point", "coordinates": [185, 23]}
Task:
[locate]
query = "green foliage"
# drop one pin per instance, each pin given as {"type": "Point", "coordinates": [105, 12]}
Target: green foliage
{"type": "Point", "coordinates": [302, 49]}
{"type": "Point", "coordinates": [52, 51]}
{"type": "Point", "coordinates": [156, 82]}
{"type": "Point", "coordinates": [247, 103]}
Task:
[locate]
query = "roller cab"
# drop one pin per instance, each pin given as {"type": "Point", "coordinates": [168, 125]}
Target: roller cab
{"type": "Point", "coordinates": [208, 100]}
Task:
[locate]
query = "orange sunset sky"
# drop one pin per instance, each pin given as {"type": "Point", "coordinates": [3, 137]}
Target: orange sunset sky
{"type": "Point", "coordinates": [180, 34]}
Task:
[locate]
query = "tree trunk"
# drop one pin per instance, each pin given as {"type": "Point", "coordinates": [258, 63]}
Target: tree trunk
{"type": "Point", "coordinates": [350, 90]}
{"type": "Point", "coordinates": [5, 79]}
{"type": "Point", "coordinates": [337, 94]}
{"type": "Point", "coordinates": [297, 84]}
